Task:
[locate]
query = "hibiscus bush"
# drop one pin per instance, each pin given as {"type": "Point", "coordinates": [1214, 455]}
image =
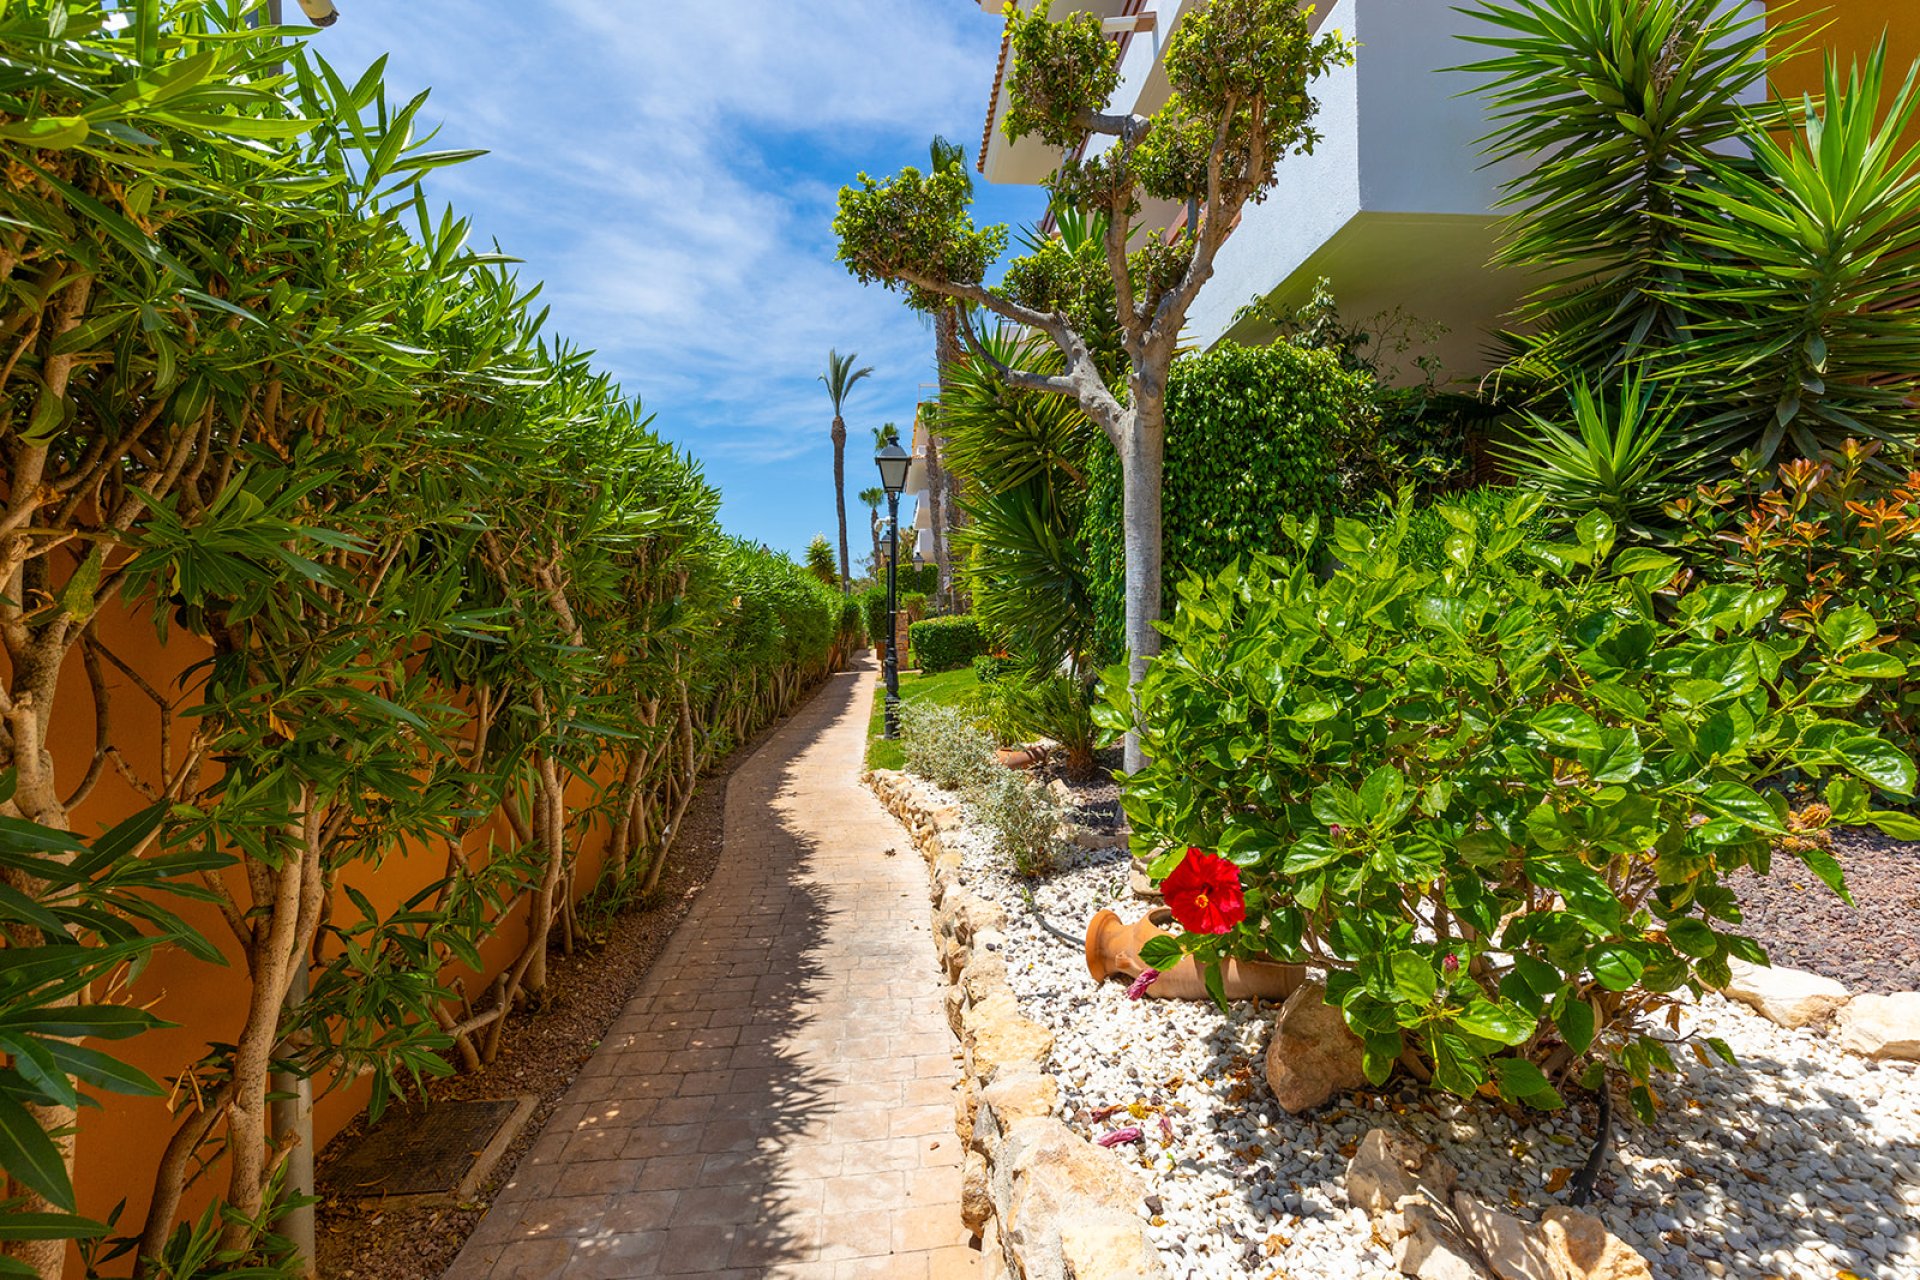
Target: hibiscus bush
{"type": "Point", "coordinates": [1498, 807]}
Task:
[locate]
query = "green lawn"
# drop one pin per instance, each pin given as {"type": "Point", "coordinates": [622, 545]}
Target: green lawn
{"type": "Point", "coordinates": [948, 686]}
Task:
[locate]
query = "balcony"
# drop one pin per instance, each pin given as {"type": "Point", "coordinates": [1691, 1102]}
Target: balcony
{"type": "Point", "coordinates": [1027, 161]}
{"type": "Point", "coordinates": [1394, 206]}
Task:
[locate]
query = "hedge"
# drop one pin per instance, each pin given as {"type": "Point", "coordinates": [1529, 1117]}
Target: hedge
{"type": "Point", "coordinates": [1252, 435]}
{"type": "Point", "coordinates": [410, 568]}
{"type": "Point", "coordinates": [945, 644]}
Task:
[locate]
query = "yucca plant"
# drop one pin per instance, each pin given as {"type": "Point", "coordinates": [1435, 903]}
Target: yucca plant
{"type": "Point", "coordinates": [1615, 109]}
{"type": "Point", "coordinates": [1799, 271]}
{"type": "Point", "coordinates": [1622, 457]}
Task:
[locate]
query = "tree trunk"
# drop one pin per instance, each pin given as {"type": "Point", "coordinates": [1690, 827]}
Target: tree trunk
{"type": "Point", "coordinates": [1141, 462]}
{"type": "Point", "coordinates": [840, 497]}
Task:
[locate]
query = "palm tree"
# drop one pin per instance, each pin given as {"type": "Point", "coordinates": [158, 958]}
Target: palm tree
{"type": "Point", "coordinates": [873, 498]}
{"type": "Point", "coordinates": [840, 377]}
{"type": "Point", "coordinates": [946, 157]}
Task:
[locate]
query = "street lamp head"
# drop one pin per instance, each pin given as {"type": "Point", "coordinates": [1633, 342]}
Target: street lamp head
{"type": "Point", "coordinates": [893, 462]}
{"type": "Point", "coordinates": [320, 13]}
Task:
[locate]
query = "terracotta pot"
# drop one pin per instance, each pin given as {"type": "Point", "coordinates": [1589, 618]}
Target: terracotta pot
{"type": "Point", "coordinates": [1020, 757]}
{"type": "Point", "coordinates": [1114, 948]}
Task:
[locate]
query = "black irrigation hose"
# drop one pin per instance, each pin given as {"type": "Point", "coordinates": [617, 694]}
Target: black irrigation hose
{"type": "Point", "coordinates": [1590, 1171]}
{"type": "Point", "coordinates": [1076, 943]}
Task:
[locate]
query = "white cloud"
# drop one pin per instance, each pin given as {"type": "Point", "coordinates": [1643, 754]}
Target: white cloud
{"type": "Point", "coordinates": [669, 170]}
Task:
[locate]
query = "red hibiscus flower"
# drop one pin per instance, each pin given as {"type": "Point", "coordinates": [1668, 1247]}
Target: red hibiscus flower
{"type": "Point", "coordinates": [1204, 893]}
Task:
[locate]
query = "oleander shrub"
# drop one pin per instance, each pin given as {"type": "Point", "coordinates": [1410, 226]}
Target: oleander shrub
{"type": "Point", "coordinates": [946, 745]}
{"type": "Point", "coordinates": [1501, 809]}
{"type": "Point", "coordinates": [1253, 434]}
{"type": "Point", "coordinates": [1024, 820]}
{"type": "Point", "coordinates": [946, 644]}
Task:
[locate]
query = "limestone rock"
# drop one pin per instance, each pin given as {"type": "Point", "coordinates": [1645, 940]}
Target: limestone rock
{"type": "Point", "coordinates": [976, 1202]}
{"type": "Point", "coordinates": [1388, 1167]}
{"type": "Point", "coordinates": [1579, 1247]}
{"type": "Point", "coordinates": [999, 1038]}
{"type": "Point", "coordinates": [1313, 1055]}
{"type": "Point", "coordinates": [1021, 1097]}
{"type": "Point", "coordinates": [1107, 1244]}
{"type": "Point", "coordinates": [1790, 997]}
{"type": "Point", "coordinates": [1513, 1249]}
{"type": "Point", "coordinates": [955, 999]}
{"type": "Point", "coordinates": [1427, 1245]}
{"type": "Point", "coordinates": [1056, 1177]}
{"type": "Point", "coordinates": [1884, 1027]}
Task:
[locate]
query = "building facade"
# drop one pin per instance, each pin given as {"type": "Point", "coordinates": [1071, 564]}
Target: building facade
{"type": "Point", "coordinates": [1394, 206]}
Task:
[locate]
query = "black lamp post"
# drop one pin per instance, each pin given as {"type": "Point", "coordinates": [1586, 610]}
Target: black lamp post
{"type": "Point", "coordinates": [893, 462]}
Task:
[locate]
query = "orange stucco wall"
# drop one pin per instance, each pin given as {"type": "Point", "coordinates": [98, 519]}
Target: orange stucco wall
{"type": "Point", "coordinates": [1851, 28]}
{"type": "Point", "coordinates": [120, 1143]}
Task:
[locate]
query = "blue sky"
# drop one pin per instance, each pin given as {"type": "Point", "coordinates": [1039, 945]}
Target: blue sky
{"type": "Point", "coordinates": [670, 170]}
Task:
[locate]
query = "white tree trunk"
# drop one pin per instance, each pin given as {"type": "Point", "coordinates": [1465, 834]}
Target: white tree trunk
{"type": "Point", "coordinates": [1142, 459]}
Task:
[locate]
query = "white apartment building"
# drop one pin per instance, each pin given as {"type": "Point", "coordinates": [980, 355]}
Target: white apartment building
{"type": "Point", "coordinates": [1393, 206]}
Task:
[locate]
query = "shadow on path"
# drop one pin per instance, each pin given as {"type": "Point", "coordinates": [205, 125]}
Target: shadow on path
{"type": "Point", "coordinates": [776, 1100]}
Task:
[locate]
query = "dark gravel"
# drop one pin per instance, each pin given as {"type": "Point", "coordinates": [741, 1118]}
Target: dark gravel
{"type": "Point", "coordinates": [1873, 946]}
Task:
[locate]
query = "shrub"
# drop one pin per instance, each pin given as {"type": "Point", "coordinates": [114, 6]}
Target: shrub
{"type": "Point", "coordinates": [873, 609]}
{"type": "Point", "coordinates": [1424, 542]}
{"type": "Point", "coordinates": [946, 644]}
{"type": "Point", "coordinates": [1057, 706]}
{"type": "Point", "coordinates": [913, 604]}
{"type": "Point", "coordinates": [1252, 436]}
{"type": "Point", "coordinates": [1827, 534]}
{"type": "Point", "coordinates": [990, 668]}
{"type": "Point", "coordinates": [1024, 819]}
{"type": "Point", "coordinates": [944, 745]}
{"type": "Point", "coordinates": [1500, 810]}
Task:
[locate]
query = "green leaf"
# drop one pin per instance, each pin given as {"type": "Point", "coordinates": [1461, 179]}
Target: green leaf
{"type": "Point", "coordinates": [47, 133]}
{"type": "Point", "coordinates": [1565, 725]}
{"type": "Point", "coordinates": [1872, 665]}
{"type": "Point", "coordinates": [1616, 967]}
{"type": "Point", "coordinates": [1617, 759]}
{"type": "Point", "coordinates": [1506, 1023]}
{"type": "Point", "coordinates": [1161, 952]}
{"type": "Point", "coordinates": [1521, 1081]}
{"type": "Point", "coordinates": [1575, 1021]}
{"type": "Point", "coordinates": [1901, 826]}
{"type": "Point", "coordinates": [28, 1155]}
{"type": "Point", "coordinates": [1693, 937]}
{"type": "Point", "coordinates": [1739, 801]}
{"type": "Point", "coordinates": [1414, 980]}
{"type": "Point", "coordinates": [1879, 762]}
{"type": "Point", "coordinates": [1638, 560]}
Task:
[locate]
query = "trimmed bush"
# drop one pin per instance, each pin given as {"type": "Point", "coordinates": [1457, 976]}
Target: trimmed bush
{"type": "Point", "coordinates": [1253, 435]}
{"type": "Point", "coordinates": [945, 644]}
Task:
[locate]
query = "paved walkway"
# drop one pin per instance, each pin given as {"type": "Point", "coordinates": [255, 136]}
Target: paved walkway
{"type": "Point", "coordinates": [777, 1100]}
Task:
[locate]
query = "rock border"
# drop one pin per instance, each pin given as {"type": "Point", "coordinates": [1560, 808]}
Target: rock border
{"type": "Point", "coordinates": [1045, 1203]}
{"type": "Point", "coordinates": [1881, 1028]}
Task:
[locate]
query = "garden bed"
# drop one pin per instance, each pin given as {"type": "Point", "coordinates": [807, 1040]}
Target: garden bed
{"type": "Point", "coordinates": [1799, 1162]}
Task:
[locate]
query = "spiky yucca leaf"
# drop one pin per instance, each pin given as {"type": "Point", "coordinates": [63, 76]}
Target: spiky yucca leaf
{"type": "Point", "coordinates": [1800, 272]}
{"type": "Point", "coordinates": [1620, 458]}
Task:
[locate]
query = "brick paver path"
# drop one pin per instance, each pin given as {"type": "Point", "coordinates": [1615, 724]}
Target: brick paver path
{"type": "Point", "coordinates": [777, 1100]}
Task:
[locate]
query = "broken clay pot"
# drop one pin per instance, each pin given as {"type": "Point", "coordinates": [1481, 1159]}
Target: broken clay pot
{"type": "Point", "coordinates": [1020, 757]}
{"type": "Point", "coordinates": [1113, 948]}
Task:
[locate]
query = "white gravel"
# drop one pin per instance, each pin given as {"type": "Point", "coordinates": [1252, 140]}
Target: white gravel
{"type": "Point", "coordinates": [1801, 1163]}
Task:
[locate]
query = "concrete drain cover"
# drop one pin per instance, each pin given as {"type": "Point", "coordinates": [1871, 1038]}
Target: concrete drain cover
{"type": "Point", "coordinates": [441, 1152]}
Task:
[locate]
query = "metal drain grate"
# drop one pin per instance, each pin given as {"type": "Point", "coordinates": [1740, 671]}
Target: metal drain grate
{"type": "Point", "coordinates": [424, 1152]}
